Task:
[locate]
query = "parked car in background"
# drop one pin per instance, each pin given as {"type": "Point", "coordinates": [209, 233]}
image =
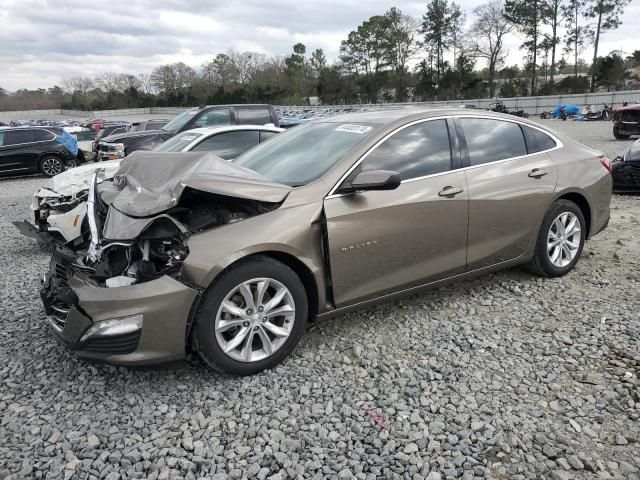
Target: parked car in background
{"type": "Point", "coordinates": [109, 129]}
{"type": "Point", "coordinates": [59, 209]}
{"type": "Point", "coordinates": [155, 124]}
{"type": "Point", "coordinates": [626, 121]}
{"type": "Point", "coordinates": [94, 124]}
{"type": "Point", "coordinates": [48, 150]}
{"type": "Point", "coordinates": [86, 140]}
{"type": "Point", "coordinates": [626, 170]}
{"type": "Point", "coordinates": [234, 259]}
{"type": "Point", "coordinates": [119, 146]}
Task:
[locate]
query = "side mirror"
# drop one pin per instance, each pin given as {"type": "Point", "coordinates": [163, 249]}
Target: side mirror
{"type": "Point", "coordinates": [372, 180]}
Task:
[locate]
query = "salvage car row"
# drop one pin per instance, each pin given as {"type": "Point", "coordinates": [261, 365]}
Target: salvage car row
{"type": "Point", "coordinates": [233, 259]}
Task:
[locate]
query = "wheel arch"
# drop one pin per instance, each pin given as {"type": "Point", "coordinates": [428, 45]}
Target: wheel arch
{"type": "Point", "coordinates": [301, 269]}
{"type": "Point", "coordinates": [581, 201]}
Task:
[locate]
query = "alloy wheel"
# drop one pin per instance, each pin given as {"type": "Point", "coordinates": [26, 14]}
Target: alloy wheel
{"type": "Point", "coordinates": [52, 166]}
{"type": "Point", "coordinates": [563, 239]}
{"type": "Point", "coordinates": [255, 319]}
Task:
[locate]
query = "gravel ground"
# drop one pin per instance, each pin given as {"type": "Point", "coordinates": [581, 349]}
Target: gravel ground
{"type": "Point", "coordinates": [507, 376]}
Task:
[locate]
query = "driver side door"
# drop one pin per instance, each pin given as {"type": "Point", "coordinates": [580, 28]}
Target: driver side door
{"type": "Point", "coordinates": [385, 241]}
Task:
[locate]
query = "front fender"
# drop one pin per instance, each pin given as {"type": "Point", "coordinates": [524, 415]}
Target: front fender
{"type": "Point", "coordinates": [295, 231]}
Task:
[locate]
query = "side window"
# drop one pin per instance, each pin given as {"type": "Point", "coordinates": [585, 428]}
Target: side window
{"type": "Point", "coordinates": [229, 145]}
{"type": "Point", "coordinates": [537, 141]}
{"type": "Point", "coordinates": [219, 116]}
{"type": "Point", "coordinates": [2, 137]}
{"type": "Point", "coordinates": [419, 150]}
{"type": "Point", "coordinates": [490, 140]}
{"type": "Point", "coordinates": [42, 136]}
{"type": "Point", "coordinates": [17, 137]}
{"type": "Point", "coordinates": [253, 116]}
{"type": "Point", "coordinates": [266, 135]}
{"type": "Point", "coordinates": [154, 126]}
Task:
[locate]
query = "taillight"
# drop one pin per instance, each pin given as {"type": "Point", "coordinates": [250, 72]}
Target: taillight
{"type": "Point", "coordinates": [606, 163]}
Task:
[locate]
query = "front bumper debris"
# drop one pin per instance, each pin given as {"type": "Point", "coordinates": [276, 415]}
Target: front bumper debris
{"type": "Point", "coordinates": [147, 322]}
{"type": "Point", "coordinates": [28, 229]}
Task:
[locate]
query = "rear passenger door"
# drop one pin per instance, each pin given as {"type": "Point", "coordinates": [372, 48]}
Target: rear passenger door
{"type": "Point", "coordinates": [511, 183]}
{"type": "Point", "coordinates": [229, 145]}
{"type": "Point", "coordinates": [16, 151]}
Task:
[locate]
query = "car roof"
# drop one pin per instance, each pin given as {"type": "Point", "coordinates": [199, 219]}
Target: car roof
{"type": "Point", "coordinates": [385, 116]}
{"type": "Point", "coordinates": [232, 128]}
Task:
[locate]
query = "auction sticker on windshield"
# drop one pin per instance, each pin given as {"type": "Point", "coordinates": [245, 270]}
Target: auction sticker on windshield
{"type": "Point", "coordinates": [354, 128]}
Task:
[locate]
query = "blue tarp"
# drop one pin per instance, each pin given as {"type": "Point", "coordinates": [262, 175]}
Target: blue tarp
{"type": "Point", "coordinates": [569, 109]}
{"type": "Point", "coordinates": [69, 141]}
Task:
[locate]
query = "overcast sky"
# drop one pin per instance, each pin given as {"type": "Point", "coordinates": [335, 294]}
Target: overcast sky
{"type": "Point", "coordinates": [41, 41]}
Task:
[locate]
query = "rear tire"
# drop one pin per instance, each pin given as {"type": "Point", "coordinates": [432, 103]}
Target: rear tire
{"type": "Point", "coordinates": [237, 339]}
{"type": "Point", "coordinates": [618, 135]}
{"type": "Point", "coordinates": [559, 244]}
{"type": "Point", "coordinates": [51, 165]}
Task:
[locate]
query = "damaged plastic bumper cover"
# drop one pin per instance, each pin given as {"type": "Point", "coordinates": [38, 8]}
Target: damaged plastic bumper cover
{"type": "Point", "coordinates": [134, 325]}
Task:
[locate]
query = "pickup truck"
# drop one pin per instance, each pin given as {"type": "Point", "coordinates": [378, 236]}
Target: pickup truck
{"type": "Point", "coordinates": [119, 146]}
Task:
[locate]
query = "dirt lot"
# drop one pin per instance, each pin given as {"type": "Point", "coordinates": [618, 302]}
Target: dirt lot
{"type": "Point", "coordinates": [507, 376]}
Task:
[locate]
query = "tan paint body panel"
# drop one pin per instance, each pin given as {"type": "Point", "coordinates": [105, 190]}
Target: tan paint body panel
{"type": "Point", "coordinates": [164, 303]}
{"type": "Point", "coordinates": [420, 237]}
{"type": "Point", "coordinates": [506, 208]}
{"type": "Point", "coordinates": [387, 240]}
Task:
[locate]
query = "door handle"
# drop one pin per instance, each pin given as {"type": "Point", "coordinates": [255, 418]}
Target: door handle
{"type": "Point", "coordinates": [538, 172]}
{"type": "Point", "coordinates": [450, 191]}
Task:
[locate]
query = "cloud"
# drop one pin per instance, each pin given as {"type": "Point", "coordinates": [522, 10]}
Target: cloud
{"type": "Point", "coordinates": [44, 40]}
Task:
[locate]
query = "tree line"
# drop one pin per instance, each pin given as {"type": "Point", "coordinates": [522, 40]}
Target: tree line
{"type": "Point", "coordinates": [389, 57]}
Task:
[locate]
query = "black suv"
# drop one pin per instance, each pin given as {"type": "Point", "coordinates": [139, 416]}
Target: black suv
{"type": "Point", "coordinates": [48, 150]}
{"type": "Point", "coordinates": [119, 146]}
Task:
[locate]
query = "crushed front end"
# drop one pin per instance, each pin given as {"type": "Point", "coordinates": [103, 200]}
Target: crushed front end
{"type": "Point", "coordinates": [122, 296]}
{"type": "Point", "coordinates": [88, 313]}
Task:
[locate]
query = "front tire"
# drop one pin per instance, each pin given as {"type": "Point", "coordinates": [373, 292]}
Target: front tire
{"type": "Point", "coordinates": [51, 165]}
{"type": "Point", "coordinates": [251, 318]}
{"type": "Point", "coordinates": [560, 240]}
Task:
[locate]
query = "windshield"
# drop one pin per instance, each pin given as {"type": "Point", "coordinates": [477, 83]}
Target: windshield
{"type": "Point", "coordinates": [177, 143]}
{"type": "Point", "coordinates": [306, 152]}
{"type": "Point", "coordinates": [181, 120]}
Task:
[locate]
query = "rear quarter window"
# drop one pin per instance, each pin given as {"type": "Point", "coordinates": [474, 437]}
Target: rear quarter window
{"type": "Point", "coordinates": [537, 140]}
{"type": "Point", "coordinates": [42, 136]}
{"type": "Point", "coordinates": [490, 140]}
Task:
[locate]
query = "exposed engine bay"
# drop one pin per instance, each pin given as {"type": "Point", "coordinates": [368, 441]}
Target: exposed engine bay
{"type": "Point", "coordinates": [160, 247]}
{"type": "Point", "coordinates": [137, 225]}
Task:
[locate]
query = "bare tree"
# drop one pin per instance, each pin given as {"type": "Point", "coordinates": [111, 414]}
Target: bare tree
{"type": "Point", "coordinates": [487, 34]}
{"type": "Point", "coordinates": [108, 82]}
{"type": "Point", "coordinates": [82, 85]}
{"type": "Point", "coordinates": [145, 83]}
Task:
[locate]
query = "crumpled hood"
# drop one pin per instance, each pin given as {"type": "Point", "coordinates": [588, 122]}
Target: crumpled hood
{"type": "Point", "coordinates": [151, 182]}
{"type": "Point", "coordinates": [77, 179]}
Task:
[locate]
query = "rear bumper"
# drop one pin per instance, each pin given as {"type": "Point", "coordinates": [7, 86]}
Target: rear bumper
{"type": "Point", "coordinates": [628, 128]}
{"type": "Point", "coordinates": [626, 176]}
{"type": "Point", "coordinates": [75, 307]}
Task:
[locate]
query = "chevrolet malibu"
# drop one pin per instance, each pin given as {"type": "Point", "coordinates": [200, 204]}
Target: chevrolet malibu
{"type": "Point", "coordinates": [233, 260]}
